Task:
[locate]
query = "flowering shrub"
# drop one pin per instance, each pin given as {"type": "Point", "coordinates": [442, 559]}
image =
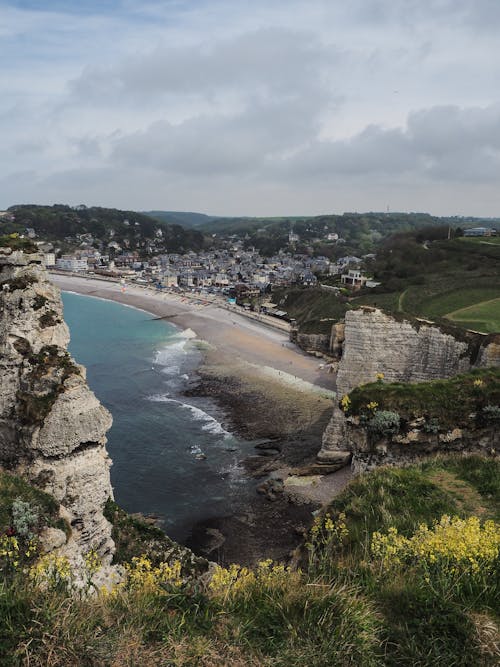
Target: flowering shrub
{"type": "Point", "coordinates": [229, 583]}
{"type": "Point", "coordinates": [453, 546]}
{"type": "Point", "coordinates": [13, 552]}
{"type": "Point", "coordinates": [380, 377]}
{"type": "Point", "coordinates": [372, 406]}
{"type": "Point", "coordinates": [51, 572]}
{"type": "Point", "coordinates": [326, 536]}
{"type": "Point", "coordinates": [142, 575]}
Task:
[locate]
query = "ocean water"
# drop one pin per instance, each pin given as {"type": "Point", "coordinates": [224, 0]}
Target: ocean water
{"type": "Point", "coordinates": [138, 367]}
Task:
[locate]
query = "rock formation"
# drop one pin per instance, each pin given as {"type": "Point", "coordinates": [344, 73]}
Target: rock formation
{"type": "Point", "coordinates": [52, 427]}
{"type": "Point", "coordinates": [403, 351]}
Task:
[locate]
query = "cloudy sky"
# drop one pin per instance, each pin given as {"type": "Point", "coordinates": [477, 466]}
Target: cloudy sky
{"type": "Point", "coordinates": [261, 107]}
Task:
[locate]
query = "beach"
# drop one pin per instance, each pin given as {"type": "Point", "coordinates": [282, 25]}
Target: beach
{"type": "Point", "coordinates": [237, 338]}
{"type": "Point", "coordinates": [270, 392]}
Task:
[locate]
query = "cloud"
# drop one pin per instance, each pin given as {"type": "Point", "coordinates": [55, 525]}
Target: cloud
{"type": "Point", "coordinates": [268, 62]}
{"type": "Point", "coordinates": [252, 107]}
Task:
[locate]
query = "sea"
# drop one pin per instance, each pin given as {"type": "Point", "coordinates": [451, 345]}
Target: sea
{"type": "Point", "coordinates": [172, 456]}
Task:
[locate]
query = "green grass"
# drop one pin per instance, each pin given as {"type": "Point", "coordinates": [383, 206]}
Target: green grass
{"type": "Point", "coordinates": [481, 240]}
{"type": "Point", "coordinates": [449, 401]}
{"type": "Point", "coordinates": [444, 304]}
{"type": "Point", "coordinates": [484, 316]}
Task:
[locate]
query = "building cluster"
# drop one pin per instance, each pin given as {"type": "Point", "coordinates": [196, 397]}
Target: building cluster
{"type": "Point", "coordinates": [242, 270]}
{"type": "Point", "coordinates": [480, 231]}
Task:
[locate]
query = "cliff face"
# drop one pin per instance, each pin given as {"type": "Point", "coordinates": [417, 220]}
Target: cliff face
{"type": "Point", "coordinates": [377, 343]}
{"type": "Point", "coordinates": [403, 351]}
{"type": "Point", "coordinates": [52, 427]}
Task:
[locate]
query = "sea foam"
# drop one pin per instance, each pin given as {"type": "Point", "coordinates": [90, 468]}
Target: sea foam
{"type": "Point", "coordinates": [210, 423]}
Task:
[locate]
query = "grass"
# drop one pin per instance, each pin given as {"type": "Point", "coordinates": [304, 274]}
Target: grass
{"type": "Point", "coordinates": [451, 401]}
{"type": "Point", "coordinates": [481, 240]}
{"type": "Point", "coordinates": [444, 304]}
{"type": "Point", "coordinates": [484, 316]}
{"type": "Point", "coordinates": [342, 609]}
{"type": "Point", "coordinates": [460, 273]}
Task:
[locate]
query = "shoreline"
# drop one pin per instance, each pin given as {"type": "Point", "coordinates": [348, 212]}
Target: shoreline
{"type": "Point", "coordinates": [233, 335]}
{"type": "Point", "coordinates": [269, 391]}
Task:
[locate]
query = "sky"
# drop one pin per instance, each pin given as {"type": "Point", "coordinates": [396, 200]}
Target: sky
{"type": "Point", "coordinates": [261, 107]}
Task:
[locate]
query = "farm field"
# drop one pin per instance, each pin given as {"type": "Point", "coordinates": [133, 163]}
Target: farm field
{"type": "Point", "coordinates": [484, 240]}
{"type": "Point", "coordinates": [447, 303]}
{"type": "Point", "coordinates": [484, 317]}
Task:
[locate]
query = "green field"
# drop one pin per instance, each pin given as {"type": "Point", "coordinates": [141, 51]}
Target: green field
{"type": "Point", "coordinates": [482, 240]}
{"type": "Point", "coordinates": [484, 316]}
{"type": "Point", "coordinates": [442, 305]}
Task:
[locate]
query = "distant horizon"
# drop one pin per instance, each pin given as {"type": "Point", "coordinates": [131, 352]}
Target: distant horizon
{"type": "Point", "coordinates": [245, 215]}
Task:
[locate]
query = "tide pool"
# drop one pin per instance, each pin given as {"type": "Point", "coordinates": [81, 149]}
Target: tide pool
{"type": "Point", "coordinates": [138, 366]}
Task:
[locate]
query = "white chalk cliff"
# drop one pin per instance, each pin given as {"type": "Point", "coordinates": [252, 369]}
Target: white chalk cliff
{"type": "Point", "coordinates": [52, 427]}
{"type": "Point", "coordinates": [403, 351]}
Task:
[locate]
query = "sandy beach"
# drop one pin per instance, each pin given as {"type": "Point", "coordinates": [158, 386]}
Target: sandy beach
{"type": "Point", "coordinates": [270, 391]}
{"type": "Point", "coordinates": [237, 338]}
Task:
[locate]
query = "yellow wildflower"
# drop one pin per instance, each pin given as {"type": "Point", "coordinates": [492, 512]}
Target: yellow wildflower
{"type": "Point", "coordinates": [345, 403]}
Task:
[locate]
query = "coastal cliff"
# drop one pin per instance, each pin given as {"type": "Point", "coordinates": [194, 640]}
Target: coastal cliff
{"type": "Point", "coordinates": [399, 350]}
{"type": "Point", "coordinates": [406, 351]}
{"type": "Point", "coordinates": [52, 427]}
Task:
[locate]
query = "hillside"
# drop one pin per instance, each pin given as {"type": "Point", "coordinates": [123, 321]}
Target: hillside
{"type": "Point", "coordinates": [360, 232]}
{"type": "Point", "coordinates": [456, 280]}
{"type": "Point", "coordinates": [62, 224]}
{"type": "Point", "coordinates": [185, 218]}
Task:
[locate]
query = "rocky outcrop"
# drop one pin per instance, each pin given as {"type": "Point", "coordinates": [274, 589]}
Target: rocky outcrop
{"type": "Point", "coordinates": [367, 452]}
{"type": "Point", "coordinates": [403, 351]}
{"type": "Point", "coordinates": [52, 427]}
{"type": "Point", "coordinates": [312, 343]}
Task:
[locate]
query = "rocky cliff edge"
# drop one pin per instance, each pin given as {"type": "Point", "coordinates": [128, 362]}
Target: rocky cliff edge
{"type": "Point", "coordinates": [52, 427]}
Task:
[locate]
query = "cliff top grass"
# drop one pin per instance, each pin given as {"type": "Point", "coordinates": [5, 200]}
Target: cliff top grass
{"type": "Point", "coordinates": [450, 401]}
{"type": "Point", "coordinates": [362, 598]}
{"type": "Point", "coordinates": [403, 498]}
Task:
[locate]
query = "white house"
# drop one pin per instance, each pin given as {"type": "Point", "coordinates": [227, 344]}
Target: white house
{"type": "Point", "coordinates": [69, 263]}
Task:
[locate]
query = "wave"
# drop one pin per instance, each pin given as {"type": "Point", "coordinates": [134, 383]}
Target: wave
{"type": "Point", "coordinates": [210, 423]}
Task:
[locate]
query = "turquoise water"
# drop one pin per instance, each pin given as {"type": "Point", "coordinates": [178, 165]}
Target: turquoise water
{"type": "Point", "coordinates": [138, 367]}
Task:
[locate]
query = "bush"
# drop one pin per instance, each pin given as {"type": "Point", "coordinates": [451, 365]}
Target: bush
{"type": "Point", "coordinates": [431, 426]}
{"type": "Point", "coordinates": [24, 518]}
{"type": "Point", "coordinates": [491, 413]}
{"type": "Point", "coordinates": [384, 423]}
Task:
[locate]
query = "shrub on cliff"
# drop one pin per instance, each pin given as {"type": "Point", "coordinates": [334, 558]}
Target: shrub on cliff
{"type": "Point", "coordinates": [384, 424]}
